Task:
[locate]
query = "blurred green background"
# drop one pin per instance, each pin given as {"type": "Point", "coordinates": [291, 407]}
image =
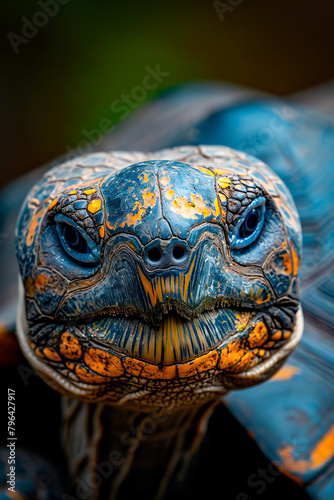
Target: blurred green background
{"type": "Point", "coordinates": [64, 78]}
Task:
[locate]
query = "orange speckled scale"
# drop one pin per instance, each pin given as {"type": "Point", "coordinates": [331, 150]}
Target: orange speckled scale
{"type": "Point", "coordinates": [139, 368]}
{"type": "Point", "coordinates": [258, 336]}
{"type": "Point", "coordinates": [90, 378]}
{"type": "Point", "coordinates": [94, 206]}
{"type": "Point", "coordinates": [203, 363]}
{"type": "Point", "coordinates": [51, 354]}
{"type": "Point", "coordinates": [70, 347]}
{"type": "Point", "coordinates": [103, 363]}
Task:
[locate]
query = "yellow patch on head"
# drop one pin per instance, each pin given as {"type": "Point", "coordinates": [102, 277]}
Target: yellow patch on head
{"type": "Point", "coordinates": [190, 209]}
{"type": "Point", "coordinates": [223, 182]}
{"type": "Point", "coordinates": [94, 206]}
{"type": "Point", "coordinates": [139, 209]}
{"type": "Point", "coordinates": [90, 191]}
{"type": "Point", "coordinates": [204, 170]}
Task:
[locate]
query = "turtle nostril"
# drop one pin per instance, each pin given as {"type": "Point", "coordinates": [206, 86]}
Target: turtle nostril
{"type": "Point", "coordinates": [178, 253]}
{"type": "Point", "coordinates": [154, 254]}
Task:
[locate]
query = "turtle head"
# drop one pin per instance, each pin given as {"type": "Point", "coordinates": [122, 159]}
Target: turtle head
{"type": "Point", "coordinates": [164, 277]}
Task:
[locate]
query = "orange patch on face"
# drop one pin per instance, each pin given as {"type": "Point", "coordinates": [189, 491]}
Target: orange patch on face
{"type": "Point", "coordinates": [287, 263]}
{"type": "Point", "coordinates": [33, 226]}
{"type": "Point", "coordinates": [258, 336]}
{"type": "Point", "coordinates": [257, 296]}
{"type": "Point", "coordinates": [50, 354]}
{"type": "Point", "coordinates": [276, 335]}
{"type": "Point", "coordinates": [94, 206]}
{"type": "Point", "coordinates": [199, 365]}
{"type": "Point", "coordinates": [70, 347]}
{"type": "Point", "coordinates": [321, 453]}
{"type": "Point", "coordinates": [40, 283]}
{"type": "Point", "coordinates": [52, 204]}
{"type": "Point", "coordinates": [295, 261]}
{"type": "Point", "coordinates": [103, 363]}
{"type": "Point", "coordinates": [102, 231]}
{"type": "Point", "coordinates": [89, 377]}
{"type": "Point", "coordinates": [29, 287]}
{"type": "Point", "coordinates": [147, 370]}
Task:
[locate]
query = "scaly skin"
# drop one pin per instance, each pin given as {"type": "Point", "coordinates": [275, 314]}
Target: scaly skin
{"type": "Point", "coordinates": [171, 312]}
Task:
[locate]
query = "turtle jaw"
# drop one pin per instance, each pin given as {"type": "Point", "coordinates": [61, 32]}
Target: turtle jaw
{"type": "Point", "coordinates": [100, 373]}
{"type": "Point", "coordinates": [268, 367]}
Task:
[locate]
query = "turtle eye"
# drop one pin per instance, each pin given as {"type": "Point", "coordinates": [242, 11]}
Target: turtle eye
{"type": "Point", "coordinates": [249, 225]}
{"type": "Point", "coordinates": [76, 242]}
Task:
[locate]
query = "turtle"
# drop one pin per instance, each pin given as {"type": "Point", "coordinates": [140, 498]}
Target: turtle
{"type": "Point", "coordinates": [154, 283]}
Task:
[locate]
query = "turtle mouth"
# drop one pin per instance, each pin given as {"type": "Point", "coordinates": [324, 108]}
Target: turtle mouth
{"type": "Point", "coordinates": [173, 332]}
{"type": "Point", "coordinates": [175, 339]}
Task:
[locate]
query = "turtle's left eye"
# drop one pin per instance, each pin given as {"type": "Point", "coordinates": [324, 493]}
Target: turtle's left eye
{"type": "Point", "coordinates": [76, 242]}
{"type": "Point", "coordinates": [249, 225]}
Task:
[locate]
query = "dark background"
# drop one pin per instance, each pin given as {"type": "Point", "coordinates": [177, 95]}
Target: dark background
{"type": "Point", "coordinates": [65, 77]}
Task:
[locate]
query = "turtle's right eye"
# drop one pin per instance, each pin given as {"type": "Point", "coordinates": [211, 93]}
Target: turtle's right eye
{"type": "Point", "coordinates": [76, 242]}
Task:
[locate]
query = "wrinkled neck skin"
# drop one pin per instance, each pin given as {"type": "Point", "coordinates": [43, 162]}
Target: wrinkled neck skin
{"type": "Point", "coordinates": [114, 452]}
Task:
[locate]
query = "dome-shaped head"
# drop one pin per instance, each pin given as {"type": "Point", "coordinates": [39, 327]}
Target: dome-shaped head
{"type": "Point", "coordinates": [156, 278]}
